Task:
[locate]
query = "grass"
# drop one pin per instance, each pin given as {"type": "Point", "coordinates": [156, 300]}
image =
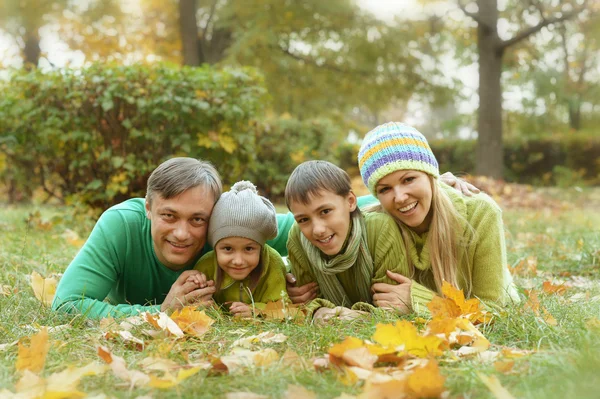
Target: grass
{"type": "Point", "coordinates": [565, 243]}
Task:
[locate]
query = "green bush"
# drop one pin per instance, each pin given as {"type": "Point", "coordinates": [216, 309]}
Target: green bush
{"type": "Point", "coordinates": [554, 160]}
{"type": "Point", "coordinates": [94, 135]}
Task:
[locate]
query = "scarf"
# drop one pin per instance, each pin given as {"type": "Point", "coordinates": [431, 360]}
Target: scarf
{"type": "Point", "coordinates": [356, 254]}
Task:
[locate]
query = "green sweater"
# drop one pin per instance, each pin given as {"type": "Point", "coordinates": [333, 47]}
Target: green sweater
{"type": "Point", "coordinates": [270, 287]}
{"type": "Point", "coordinates": [385, 245]}
{"type": "Point", "coordinates": [116, 272]}
{"type": "Point", "coordinates": [490, 278]}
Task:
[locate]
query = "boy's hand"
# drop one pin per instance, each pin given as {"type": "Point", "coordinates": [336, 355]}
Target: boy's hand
{"type": "Point", "coordinates": [396, 297]}
{"type": "Point", "coordinates": [240, 309]}
{"type": "Point", "coordinates": [302, 294]}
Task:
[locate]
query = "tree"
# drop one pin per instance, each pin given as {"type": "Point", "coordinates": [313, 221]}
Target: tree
{"type": "Point", "coordinates": [491, 50]}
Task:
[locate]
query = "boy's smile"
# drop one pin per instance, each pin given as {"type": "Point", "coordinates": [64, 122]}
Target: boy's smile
{"type": "Point", "coordinates": [325, 220]}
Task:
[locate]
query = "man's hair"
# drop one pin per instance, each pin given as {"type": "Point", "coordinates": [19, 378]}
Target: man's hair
{"type": "Point", "coordinates": [177, 175]}
{"type": "Point", "coordinates": [311, 177]}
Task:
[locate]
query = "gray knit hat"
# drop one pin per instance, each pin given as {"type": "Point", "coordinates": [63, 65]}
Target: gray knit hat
{"type": "Point", "coordinates": [241, 212]}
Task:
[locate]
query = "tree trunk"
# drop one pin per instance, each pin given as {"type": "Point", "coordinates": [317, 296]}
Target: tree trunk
{"type": "Point", "coordinates": [189, 32]}
{"type": "Point", "coordinates": [489, 154]}
{"type": "Point", "coordinates": [575, 114]}
{"type": "Point", "coordinates": [32, 50]}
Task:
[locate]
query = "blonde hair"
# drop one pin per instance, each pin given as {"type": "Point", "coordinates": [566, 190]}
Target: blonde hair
{"type": "Point", "coordinates": [447, 245]}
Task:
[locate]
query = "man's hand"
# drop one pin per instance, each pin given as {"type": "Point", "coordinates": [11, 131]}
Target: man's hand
{"type": "Point", "coordinates": [185, 292]}
{"type": "Point", "coordinates": [459, 184]}
{"type": "Point", "coordinates": [396, 297]}
{"type": "Point", "coordinates": [240, 309]}
{"type": "Point", "coordinates": [339, 312]}
{"type": "Point", "coordinates": [302, 294]}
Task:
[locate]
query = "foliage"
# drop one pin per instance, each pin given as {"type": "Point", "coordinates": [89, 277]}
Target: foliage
{"type": "Point", "coordinates": [563, 159]}
{"type": "Point", "coordinates": [94, 135]}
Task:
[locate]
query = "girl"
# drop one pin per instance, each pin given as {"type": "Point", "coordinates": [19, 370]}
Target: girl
{"type": "Point", "coordinates": [446, 237]}
{"type": "Point", "coordinates": [246, 272]}
{"type": "Point", "coordinates": [333, 244]}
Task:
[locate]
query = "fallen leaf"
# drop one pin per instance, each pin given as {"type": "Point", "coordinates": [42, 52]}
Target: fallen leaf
{"type": "Point", "coordinates": [191, 321]}
{"type": "Point", "coordinates": [426, 382]}
{"type": "Point", "coordinates": [495, 386]}
{"type": "Point", "coordinates": [168, 380]}
{"type": "Point", "coordinates": [33, 357]}
{"type": "Point", "coordinates": [299, 392]}
{"type": "Point", "coordinates": [164, 323]}
{"type": "Point", "coordinates": [526, 267]}
{"type": "Point", "coordinates": [73, 238]}
{"type": "Point", "coordinates": [550, 288]}
{"type": "Point", "coordinates": [404, 338]}
{"type": "Point", "coordinates": [159, 364]}
{"type": "Point", "coordinates": [360, 357]}
{"type": "Point", "coordinates": [504, 366]}
{"type": "Point", "coordinates": [244, 395]}
{"type": "Point", "coordinates": [389, 389]}
{"type": "Point", "coordinates": [43, 288]}
{"type": "Point", "coordinates": [281, 310]}
{"type": "Point", "coordinates": [4, 347]}
{"type": "Point", "coordinates": [119, 368]}
{"type": "Point", "coordinates": [266, 337]}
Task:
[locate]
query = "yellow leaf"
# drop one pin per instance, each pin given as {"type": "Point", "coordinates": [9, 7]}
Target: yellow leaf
{"type": "Point", "coordinates": [120, 370]}
{"type": "Point", "coordinates": [227, 143]}
{"type": "Point", "coordinates": [280, 310]}
{"type": "Point", "coordinates": [299, 392]}
{"type": "Point", "coordinates": [403, 336]}
{"type": "Point", "coordinates": [169, 381]}
{"type": "Point", "coordinates": [550, 288]}
{"type": "Point", "coordinates": [385, 389]}
{"type": "Point", "coordinates": [73, 238]}
{"type": "Point", "coordinates": [426, 382]}
{"type": "Point", "coordinates": [33, 357]}
{"type": "Point", "coordinates": [191, 321]}
{"type": "Point", "coordinates": [165, 323]}
{"type": "Point", "coordinates": [338, 350]}
{"type": "Point", "coordinates": [43, 288]}
{"type": "Point", "coordinates": [504, 366]}
{"type": "Point", "coordinates": [204, 141]}
{"type": "Point", "coordinates": [265, 357]}
{"type": "Point", "coordinates": [495, 387]}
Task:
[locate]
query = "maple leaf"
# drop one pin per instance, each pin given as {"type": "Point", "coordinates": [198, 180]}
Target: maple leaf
{"type": "Point", "coordinates": [495, 386]}
{"type": "Point", "coordinates": [43, 288]}
{"type": "Point", "coordinates": [403, 336]}
{"type": "Point", "coordinates": [33, 357]}
{"type": "Point", "coordinates": [454, 305]}
{"type": "Point", "coordinates": [338, 350]}
{"type": "Point", "coordinates": [426, 382]}
{"type": "Point", "coordinates": [120, 370]}
{"type": "Point", "coordinates": [280, 310]}
{"type": "Point", "coordinates": [191, 321]}
{"type": "Point", "coordinates": [550, 288]}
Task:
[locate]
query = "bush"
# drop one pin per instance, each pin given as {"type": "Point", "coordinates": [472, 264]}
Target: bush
{"type": "Point", "coordinates": [94, 135]}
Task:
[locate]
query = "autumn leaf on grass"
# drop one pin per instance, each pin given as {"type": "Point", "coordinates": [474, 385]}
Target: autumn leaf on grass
{"type": "Point", "coordinates": [280, 310]}
{"type": "Point", "coordinates": [426, 382]}
{"type": "Point", "coordinates": [33, 357]}
{"type": "Point", "coordinates": [495, 386]}
{"type": "Point", "coordinates": [191, 321]}
{"type": "Point", "coordinates": [266, 337]}
{"type": "Point", "coordinates": [73, 238]}
{"type": "Point", "coordinates": [550, 288]}
{"type": "Point", "coordinates": [119, 368]}
{"type": "Point", "coordinates": [299, 392]}
{"type": "Point", "coordinates": [454, 305]}
{"type": "Point", "coordinates": [169, 380]}
{"type": "Point", "coordinates": [127, 338]}
{"type": "Point", "coordinates": [164, 323]}
{"type": "Point", "coordinates": [43, 288]}
{"type": "Point", "coordinates": [526, 267]}
{"type": "Point", "coordinates": [533, 303]}
{"type": "Point", "coordinates": [240, 359]}
{"type": "Point", "coordinates": [389, 388]}
{"type": "Point", "coordinates": [404, 338]}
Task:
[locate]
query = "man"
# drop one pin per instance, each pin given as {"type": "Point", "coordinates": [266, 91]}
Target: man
{"type": "Point", "coordinates": [141, 252]}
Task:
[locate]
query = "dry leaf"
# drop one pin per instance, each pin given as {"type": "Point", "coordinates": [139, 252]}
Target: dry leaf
{"type": "Point", "coordinates": [495, 387]}
{"type": "Point", "coordinates": [159, 364]}
{"type": "Point", "coordinates": [504, 366]}
{"type": "Point", "coordinates": [281, 310]}
{"type": "Point", "coordinates": [4, 347]}
{"type": "Point", "coordinates": [168, 380]}
{"type": "Point", "coordinates": [404, 338]}
{"type": "Point", "coordinates": [525, 268]}
{"type": "Point", "coordinates": [43, 288]}
{"type": "Point", "coordinates": [338, 350]}
{"type": "Point", "coordinates": [360, 357]}
{"type": "Point", "coordinates": [264, 337]}
{"type": "Point", "coordinates": [389, 389]}
{"type": "Point", "coordinates": [299, 392]}
{"type": "Point", "coordinates": [426, 382]}
{"type": "Point", "coordinates": [33, 357]}
{"type": "Point", "coordinates": [191, 321]}
{"type": "Point", "coordinates": [550, 288]}
{"type": "Point", "coordinates": [117, 364]}
{"type": "Point", "coordinates": [73, 238]}
{"type": "Point", "coordinates": [164, 323]}
{"type": "Point", "coordinates": [244, 395]}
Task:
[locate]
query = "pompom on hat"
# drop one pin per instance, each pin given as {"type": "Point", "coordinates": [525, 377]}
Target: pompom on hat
{"type": "Point", "coordinates": [241, 212]}
{"type": "Point", "coordinates": [391, 147]}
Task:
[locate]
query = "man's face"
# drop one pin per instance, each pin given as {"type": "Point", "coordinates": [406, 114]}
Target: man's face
{"type": "Point", "coordinates": [179, 225]}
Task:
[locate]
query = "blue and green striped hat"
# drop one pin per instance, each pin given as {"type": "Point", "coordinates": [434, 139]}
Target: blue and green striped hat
{"type": "Point", "coordinates": [394, 146]}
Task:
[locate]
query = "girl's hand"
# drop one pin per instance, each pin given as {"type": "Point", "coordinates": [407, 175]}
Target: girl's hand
{"type": "Point", "coordinates": [199, 279]}
{"type": "Point", "coordinates": [240, 309]}
{"type": "Point", "coordinates": [395, 297]}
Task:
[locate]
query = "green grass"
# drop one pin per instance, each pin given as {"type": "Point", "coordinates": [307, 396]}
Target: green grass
{"type": "Point", "coordinates": [565, 364]}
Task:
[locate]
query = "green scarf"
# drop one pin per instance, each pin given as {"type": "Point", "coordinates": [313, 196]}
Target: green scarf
{"type": "Point", "coordinates": [356, 254]}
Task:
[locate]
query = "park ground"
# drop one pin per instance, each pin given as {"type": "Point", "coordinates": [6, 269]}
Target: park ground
{"type": "Point", "coordinates": [545, 347]}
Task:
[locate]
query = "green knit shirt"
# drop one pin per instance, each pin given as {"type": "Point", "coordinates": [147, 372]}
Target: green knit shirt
{"type": "Point", "coordinates": [485, 260]}
{"type": "Point", "coordinates": [270, 286]}
{"type": "Point", "coordinates": [385, 245]}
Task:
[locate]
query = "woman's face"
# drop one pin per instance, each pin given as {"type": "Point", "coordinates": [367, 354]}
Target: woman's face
{"type": "Point", "coordinates": [406, 195]}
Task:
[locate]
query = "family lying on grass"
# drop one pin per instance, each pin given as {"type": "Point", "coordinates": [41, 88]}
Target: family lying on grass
{"type": "Point", "coordinates": [186, 244]}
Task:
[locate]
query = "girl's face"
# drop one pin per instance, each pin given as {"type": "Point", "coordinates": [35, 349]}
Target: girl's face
{"type": "Point", "coordinates": [325, 220]}
{"type": "Point", "coordinates": [406, 195]}
{"type": "Point", "coordinates": [238, 256]}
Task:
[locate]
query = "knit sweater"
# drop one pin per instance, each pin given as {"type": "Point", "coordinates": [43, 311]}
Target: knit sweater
{"type": "Point", "coordinates": [485, 259]}
{"type": "Point", "coordinates": [270, 286]}
{"type": "Point", "coordinates": [384, 243]}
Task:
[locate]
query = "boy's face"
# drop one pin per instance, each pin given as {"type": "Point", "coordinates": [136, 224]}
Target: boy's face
{"type": "Point", "coordinates": [325, 220]}
{"type": "Point", "coordinates": [179, 225]}
{"type": "Point", "coordinates": [238, 256]}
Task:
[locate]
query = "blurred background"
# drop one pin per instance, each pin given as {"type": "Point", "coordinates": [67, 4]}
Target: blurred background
{"type": "Point", "coordinates": [94, 94]}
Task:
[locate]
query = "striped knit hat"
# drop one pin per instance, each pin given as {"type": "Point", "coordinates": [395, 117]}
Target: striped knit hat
{"type": "Point", "coordinates": [394, 146]}
{"type": "Point", "coordinates": [241, 212]}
